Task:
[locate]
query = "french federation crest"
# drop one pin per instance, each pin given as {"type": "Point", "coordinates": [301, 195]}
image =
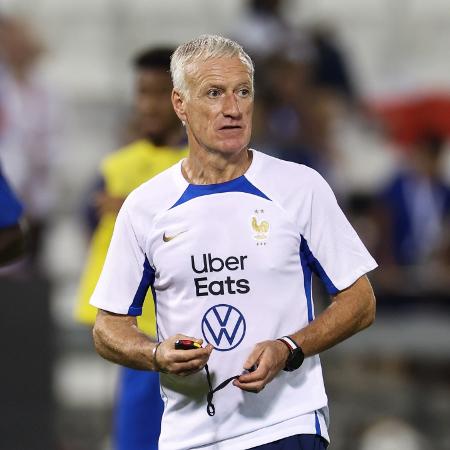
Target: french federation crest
{"type": "Point", "coordinates": [260, 227]}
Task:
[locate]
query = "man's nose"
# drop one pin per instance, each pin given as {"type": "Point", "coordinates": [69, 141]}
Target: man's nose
{"type": "Point", "coordinates": [231, 106]}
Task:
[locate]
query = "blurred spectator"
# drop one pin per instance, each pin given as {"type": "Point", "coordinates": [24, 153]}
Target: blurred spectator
{"type": "Point", "coordinates": [304, 82]}
{"type": "Point", "coordinates": [263, 30]}
{"type": "Point", "coordinates": [414, 218]}
{"type": "Point", "coordinates": [28, 124]}
{"type": "Point", "coordinates": [12, 227]}
{"type": "Point", "coordinates": [266, 34]}
{"type": "Point", "coordinates": [160, 144]}
{"type": "Point", "coordinates": [330, 68]}
{"type": "Point", "coordinates": [293, 118]}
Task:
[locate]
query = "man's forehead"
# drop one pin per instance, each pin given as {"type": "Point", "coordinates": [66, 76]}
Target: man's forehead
{"type": "Point", "coordinates": [221, 69]}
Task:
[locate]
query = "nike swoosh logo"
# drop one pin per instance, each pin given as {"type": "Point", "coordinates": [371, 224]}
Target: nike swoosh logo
{"type": "Point", "coordinates": [167, 238]}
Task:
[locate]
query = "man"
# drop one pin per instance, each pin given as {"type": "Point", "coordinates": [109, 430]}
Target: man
{"type": "Point", "coordinates": [12, 230]}
{"type": "Point", "coordinates": [138, 403]}
{"type": "Point", "coordinates": [228, 240]}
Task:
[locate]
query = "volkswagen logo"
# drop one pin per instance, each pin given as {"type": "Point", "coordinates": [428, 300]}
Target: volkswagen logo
{"type": "Point", "coordinates": [223, 326]}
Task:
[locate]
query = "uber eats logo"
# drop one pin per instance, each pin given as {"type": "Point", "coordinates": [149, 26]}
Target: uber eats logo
{"type": "Point", "coordinates": [229, 285]}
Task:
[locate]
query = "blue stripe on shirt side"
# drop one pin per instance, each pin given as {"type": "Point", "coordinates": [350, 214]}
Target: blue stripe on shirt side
{"type": "Point", "coordinates": [316, 267]}
{"type": "Point", "coordinates": [318, 430]}
{"type": "Point", "coordinates": [307, 281]}
{"type": "Point", "coordinates": [155, 303]}
{"type": "Point", "coordinates": [148, 277]}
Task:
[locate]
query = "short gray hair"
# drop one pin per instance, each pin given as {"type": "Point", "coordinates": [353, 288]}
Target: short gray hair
{"type": "Point", "coordinates": [204, 47]}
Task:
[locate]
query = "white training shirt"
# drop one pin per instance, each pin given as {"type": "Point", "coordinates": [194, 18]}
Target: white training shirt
{"type": "Point", "coordinates": [231, 263]}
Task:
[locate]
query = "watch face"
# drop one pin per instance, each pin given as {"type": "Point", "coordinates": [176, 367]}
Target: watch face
{"type": "Point", "coordinates": [295, 360]}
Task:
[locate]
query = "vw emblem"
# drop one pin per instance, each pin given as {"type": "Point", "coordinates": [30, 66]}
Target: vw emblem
{"type": "Point", "coordinates": [223, 326]}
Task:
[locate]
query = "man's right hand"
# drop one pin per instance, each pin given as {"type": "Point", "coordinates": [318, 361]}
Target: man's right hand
{"type": "Point", "coordinates": [180, 362]}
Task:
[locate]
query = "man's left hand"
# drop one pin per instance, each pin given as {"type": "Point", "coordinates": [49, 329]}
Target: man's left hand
{"type": "Point", "coordinates": [270, 357]}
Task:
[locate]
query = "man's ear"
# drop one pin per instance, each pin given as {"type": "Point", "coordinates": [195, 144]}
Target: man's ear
{"type": "Point", "coordinates": [179, 105]}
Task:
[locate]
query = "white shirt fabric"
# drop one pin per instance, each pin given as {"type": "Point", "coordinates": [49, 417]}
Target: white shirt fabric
{"type": "Point", "coordinates": [231, 263]}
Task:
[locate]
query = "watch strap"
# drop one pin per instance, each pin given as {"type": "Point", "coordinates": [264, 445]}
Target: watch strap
{"type": "Point", "coordinates": [295, 357]}
{"type": "Point", "coordinates": [289, 342]}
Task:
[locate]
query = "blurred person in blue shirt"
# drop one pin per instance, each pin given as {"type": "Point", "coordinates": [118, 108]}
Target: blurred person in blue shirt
{"type": "Point", "coordinates": [415, 213]}
{"type": "Point", "coordinates": [12, 231]}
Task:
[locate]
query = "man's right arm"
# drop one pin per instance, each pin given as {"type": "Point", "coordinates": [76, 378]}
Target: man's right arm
{"type": "Point", "coordinates": [118, 339]}
{"type": "Point", "coordinates": [119, 295]}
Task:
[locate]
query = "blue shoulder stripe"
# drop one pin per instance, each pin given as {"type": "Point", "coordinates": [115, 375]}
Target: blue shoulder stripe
{"type": "Point", "coordinates": [240, 184]}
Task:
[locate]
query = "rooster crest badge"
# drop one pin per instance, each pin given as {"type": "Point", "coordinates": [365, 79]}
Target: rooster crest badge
{"type": "Point", "coordinates": [260, 227]}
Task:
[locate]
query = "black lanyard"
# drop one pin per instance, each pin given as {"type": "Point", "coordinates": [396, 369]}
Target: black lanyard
{"type": "Point", "coordinates": [210, 408]}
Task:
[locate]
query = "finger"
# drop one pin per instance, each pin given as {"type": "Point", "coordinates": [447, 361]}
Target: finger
{"type": "Point", "coordinates": [191, 371]}
{"type": "Point", "coordinates": [251, 377]}
{"type": "Point", "coordinates": [254, 387]}
{"type": "Point", "coordinates": [254, 356]}
{"type": "Point", "coordinates": [187, 368]}
{"type": "Point", "coordinates": [189, 355]}
{"type": "Point", "coordinates": [210, 348]}
{"type": "Point", "coordinates": [260, 373]}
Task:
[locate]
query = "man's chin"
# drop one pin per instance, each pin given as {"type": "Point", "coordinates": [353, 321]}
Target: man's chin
{"type": "Point", "coordinates": [233, 146]}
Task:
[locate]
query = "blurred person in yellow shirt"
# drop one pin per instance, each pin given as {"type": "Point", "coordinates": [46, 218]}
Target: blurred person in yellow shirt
{"type": "Point", "coordinates": [161, 144]}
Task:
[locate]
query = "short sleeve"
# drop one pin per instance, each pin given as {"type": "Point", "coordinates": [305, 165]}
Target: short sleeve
{"type": "Point", "coordinates": [330, 246]}
{"type": "Point", "coordinates": [126, 275]}
{"type": "Point", "coordinates": [10, 207]}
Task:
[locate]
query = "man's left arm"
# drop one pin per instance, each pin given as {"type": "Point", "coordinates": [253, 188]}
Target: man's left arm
{"type": "Point", "coordinates": [351, 310]}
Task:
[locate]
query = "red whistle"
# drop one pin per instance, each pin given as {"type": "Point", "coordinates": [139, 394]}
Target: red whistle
{"type": "Point", "coordinates": [186, 344]}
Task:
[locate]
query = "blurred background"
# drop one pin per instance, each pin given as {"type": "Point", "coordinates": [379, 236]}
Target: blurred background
{"type": "Point", "coordinates": [358, 90]}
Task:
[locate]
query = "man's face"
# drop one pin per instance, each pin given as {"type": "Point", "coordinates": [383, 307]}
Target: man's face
{"type": "Point", "coordinates": [218, 112]}
{"type": "Point", "coordinates": [152, 102]}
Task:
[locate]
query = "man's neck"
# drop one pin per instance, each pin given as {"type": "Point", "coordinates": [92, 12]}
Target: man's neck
{"type": "Point", "coordinates": [211, 168]}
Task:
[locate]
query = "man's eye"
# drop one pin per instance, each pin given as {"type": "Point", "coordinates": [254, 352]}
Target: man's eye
{"type": "Point", "coordinates": [213, 93]}
{"type": "Point", "coordinates": [244, 92]}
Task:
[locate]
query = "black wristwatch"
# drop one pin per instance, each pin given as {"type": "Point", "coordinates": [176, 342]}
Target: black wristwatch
{"type": "Point", "coordinates": [296, 356]}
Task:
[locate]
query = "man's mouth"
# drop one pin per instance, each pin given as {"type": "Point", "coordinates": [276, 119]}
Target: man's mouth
{"type": "Point", "coordinates": [230, 127]}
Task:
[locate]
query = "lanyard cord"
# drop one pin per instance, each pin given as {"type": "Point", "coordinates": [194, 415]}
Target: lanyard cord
{"type": "Point", "coordinates": [210, 409]}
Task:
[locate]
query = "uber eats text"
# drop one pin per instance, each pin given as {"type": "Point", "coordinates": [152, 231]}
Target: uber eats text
{"type": "Point", "coordinates": [229, 285]}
